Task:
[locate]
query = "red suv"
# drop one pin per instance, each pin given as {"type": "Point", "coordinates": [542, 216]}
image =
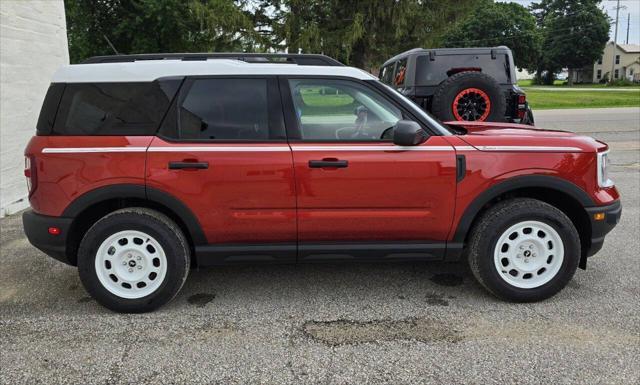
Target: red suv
{"type": "Point", "coordinates": [143, 166]}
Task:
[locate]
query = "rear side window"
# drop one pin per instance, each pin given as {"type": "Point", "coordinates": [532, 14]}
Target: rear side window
{"type": "Point", "coordinates": [400, 73]}
{"type": "Point", "coordinates": [49, 108]}
{"type": "Point", "coordinates": [225, 109]}
{"type": "Point", "coordinates": [114, 108]}
{"type": "Point", "coordinates": [386, 74]}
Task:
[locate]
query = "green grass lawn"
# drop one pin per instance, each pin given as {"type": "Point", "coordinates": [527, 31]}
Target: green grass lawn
{"type": "Point", "coordinates": [544, 100]}
{"type": "Point", "coordinates": [330, 103]}
{"type": "Point", "coordinates": [333, 103]}
{"type": "Point", "coordinates": [563, 83]}
{"type": "Point", "coordinates": [529, 82]}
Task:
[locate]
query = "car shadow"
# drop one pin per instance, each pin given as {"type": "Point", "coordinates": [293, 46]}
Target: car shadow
{"type": "Point", "coordinates": [264, 286]}
{"type": "Point", "coordinates": [31, 282]}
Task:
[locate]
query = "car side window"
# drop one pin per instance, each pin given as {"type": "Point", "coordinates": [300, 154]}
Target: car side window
{"type": "Point", "coordinates": [400, 74]}
{"type": "Point", "coordinates": [112, 108]}
{"type": "Point", "coordinates": [342, 110]}
{"type": "Point", "coordinates": [386, 75]}
{"type": "Point", "coordinates": [225, 109]}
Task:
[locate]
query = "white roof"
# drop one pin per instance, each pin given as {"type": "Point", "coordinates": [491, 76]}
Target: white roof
{"type": "Point", "coordinates": [149, 70]}
{"type": "Point", "coordinates": [630, 48]}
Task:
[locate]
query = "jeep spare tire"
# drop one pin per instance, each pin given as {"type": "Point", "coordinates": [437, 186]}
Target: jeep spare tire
{"type": "Point", "coordinates": [470, 96]}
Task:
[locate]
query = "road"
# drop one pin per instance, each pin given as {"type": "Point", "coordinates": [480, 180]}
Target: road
{"type": "Point", "coordinates": [336, 324]}
{"type": "Point", "coordinates": [619, 127]}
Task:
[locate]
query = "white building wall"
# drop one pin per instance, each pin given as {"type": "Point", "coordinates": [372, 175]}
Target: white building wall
{"type": "Point", "coordinates": [33, 44]}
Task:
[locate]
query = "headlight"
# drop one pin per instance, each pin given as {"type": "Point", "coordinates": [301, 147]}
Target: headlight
{"type": "Point", "coordinates": [603, 170]}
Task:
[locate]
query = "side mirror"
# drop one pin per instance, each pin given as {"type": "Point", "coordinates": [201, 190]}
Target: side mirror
{"type": "Point", "coordinates": [408, 133]}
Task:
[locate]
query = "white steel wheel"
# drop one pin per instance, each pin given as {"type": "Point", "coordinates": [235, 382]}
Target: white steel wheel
{"type": "Point", "coordinates": [131, 264]}
{"type": "Point", "coordinates": [529, 254]}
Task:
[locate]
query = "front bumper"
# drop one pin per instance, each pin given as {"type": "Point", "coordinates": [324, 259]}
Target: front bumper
{"type": "Point", "coordinates": [600, 228]}
{"type": "Point", "coordinates": [36, 228]}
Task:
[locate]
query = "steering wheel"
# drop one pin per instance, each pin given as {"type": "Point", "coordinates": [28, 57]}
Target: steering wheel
{"type": "Point", "coordinates": [351, 130]}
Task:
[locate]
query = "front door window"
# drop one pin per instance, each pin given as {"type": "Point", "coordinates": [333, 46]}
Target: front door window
{"type": "Point", "coordinates": [338, 110]}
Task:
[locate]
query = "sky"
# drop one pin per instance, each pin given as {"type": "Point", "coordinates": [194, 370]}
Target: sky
{"type": "Point", "coordinates": [632, 9]}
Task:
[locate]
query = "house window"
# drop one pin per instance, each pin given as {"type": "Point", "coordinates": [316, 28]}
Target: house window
{"type": "Point", "coordinates": [600, 60]}
{"type": "Point", "coordinates": [616, 73]}
{"type": "Point", "coordinates": [599, 74]}
{"type": "Point", "coordinates": [617, 59]}
{"type": "Point", "coordinates": [630, 71]}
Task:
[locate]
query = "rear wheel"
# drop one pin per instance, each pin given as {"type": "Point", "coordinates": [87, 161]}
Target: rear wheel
{"type": "Point", "coordinates": [469, 96]}
{"type": "Point", "coordinates": [133, 260]}
{"type": "Point", "coordinates": [524, 250]}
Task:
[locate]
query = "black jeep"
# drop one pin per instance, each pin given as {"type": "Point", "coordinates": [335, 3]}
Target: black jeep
{"type": "Point", "coordinates": [460, 83]}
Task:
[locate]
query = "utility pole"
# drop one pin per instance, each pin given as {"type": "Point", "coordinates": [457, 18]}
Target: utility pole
{"type": "Point", "coordinates": [628, 23]}
{"type": "Point", "coordinates": [615, 44]}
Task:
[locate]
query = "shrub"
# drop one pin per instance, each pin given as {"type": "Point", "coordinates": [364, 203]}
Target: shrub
{"type": "Point", "coordinates": [621, 83]}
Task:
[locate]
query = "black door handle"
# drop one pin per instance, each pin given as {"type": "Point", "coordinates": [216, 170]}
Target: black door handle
{"type": "Point", "coordinates": [328, 163]}
{"type": "Point", "coordinates": [188, 165]}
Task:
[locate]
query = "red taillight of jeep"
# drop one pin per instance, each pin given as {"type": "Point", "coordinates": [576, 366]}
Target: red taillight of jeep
{"type": "Point", "coordinates": [30, 173]}
{"type": "Point", "coordinates": [522, 106]}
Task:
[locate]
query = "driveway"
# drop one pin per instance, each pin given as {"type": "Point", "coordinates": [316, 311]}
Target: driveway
{"type": "Point", "coordinates": [336, 324]}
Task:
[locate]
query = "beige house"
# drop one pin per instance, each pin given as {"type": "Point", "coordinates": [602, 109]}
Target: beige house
{"type": "Point", "coordinates": [627, 63]}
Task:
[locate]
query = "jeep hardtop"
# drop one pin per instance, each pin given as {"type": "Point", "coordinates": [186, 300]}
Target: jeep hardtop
{"type": "Point", "coordinates": [145, 166]}
{"type": "Point", "coordinates": [470, 84]}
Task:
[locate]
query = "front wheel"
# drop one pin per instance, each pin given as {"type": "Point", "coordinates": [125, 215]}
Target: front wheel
{"type": "Point", "coordinates": [524, 250]}
{"type": "Point", "coordinates": [133, 260]}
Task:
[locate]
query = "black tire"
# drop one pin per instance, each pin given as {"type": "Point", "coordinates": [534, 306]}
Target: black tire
{"type": "Point", "coordinates": [493, 223]}
{"type": "Point", "coordinates": [445, 94]}
{"type": "Point", "coordinates": [163, 230]}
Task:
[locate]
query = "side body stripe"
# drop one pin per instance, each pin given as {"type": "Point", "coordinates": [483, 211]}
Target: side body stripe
{"type": "Point", "coordinates": [82, 150]}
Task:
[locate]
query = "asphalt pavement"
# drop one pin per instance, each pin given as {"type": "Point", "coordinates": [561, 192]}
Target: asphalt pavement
{"type": "Point", "coordinates": [338, 324]}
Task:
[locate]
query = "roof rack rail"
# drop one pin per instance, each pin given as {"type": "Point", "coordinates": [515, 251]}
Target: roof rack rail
{"type": "Point", "coordinates": [299, 59]}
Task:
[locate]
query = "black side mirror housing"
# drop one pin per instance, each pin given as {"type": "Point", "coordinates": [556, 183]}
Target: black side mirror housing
{"type": "Point", "coordinates": [408, 133]}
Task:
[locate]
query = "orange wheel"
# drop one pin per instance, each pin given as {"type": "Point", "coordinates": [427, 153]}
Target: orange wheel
{"type": "Point", "coordinates": [471, 104]}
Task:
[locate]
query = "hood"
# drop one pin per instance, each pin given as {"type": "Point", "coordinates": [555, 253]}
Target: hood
{"type": "Point", "coordinates": [496, 128]}
{"type": "Point", "coordinates": [487, 134]}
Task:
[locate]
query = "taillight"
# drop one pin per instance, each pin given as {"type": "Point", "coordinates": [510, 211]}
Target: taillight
{"type": "Point", "coordinates": [522, 106]}
{"type": "Point", "coordinates": [30, 173]}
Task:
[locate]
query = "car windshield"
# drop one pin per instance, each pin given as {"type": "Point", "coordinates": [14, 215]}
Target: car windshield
{"type": "Point", "coordinates": [433, 122]}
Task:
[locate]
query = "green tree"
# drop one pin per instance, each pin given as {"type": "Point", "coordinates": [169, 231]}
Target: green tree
{"type": "Point", "coordinates": [575, 33]}
{"type": "Point", "coordinates": [494, 24]}
{"type": "Point", "coordinates": [145, 26]}
{"type": "Point", "coordinates": [362, 33]}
